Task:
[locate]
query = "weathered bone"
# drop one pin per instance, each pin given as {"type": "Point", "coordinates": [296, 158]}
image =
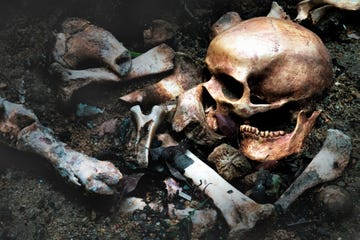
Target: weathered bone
{"type": "Point", "coordinates": [305, 7]}
{"type": "Point", "coordinates": [225, 22]}
{"type": "Point", "coordinates": [240, 212]}
{"type": "Point", "coordinates": [327, 165]}
{"type": "Point", "coordinates": [81, 42]}
{"type": "Point", "coordinates": [146, 126]}
{"type": "Point", "coordinates": [22, 124]}
{"type": "Point", "coordinates": [186, 75]}
{"type": "Point", "coordinates": [277, 11]}
{"type": "Point", "coordinates": [157, 60]}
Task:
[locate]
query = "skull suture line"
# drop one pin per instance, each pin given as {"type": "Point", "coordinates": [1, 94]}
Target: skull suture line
{"type": "Point", "coordinates": [260, 65]}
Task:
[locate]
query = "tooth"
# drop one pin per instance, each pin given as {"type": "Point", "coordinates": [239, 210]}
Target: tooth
{"type": "Point", "coordinates": [262, 134]}
{"type": "Point", "coordinates": [266, 133]}
{"type": "Point", "coordinates": [257, 132]}
{"type": "Point", "coordinates": [242, 128]}
{"type": "Point", "coordinates": [281, 133]}
{"type": "Point", "coordinates": [253, 130]}
{"type": "Point", "coordinates": [271, 134]}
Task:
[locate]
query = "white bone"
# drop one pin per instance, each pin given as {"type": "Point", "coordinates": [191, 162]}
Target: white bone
{"type": "Point", "coordinates": [327, 165]}
{"type": "Point", "coordinates": [240, 212]}
{"type": "Point", "coordinates": [146, 126]}
{"type": "Point", "coordinates": [22, 124]}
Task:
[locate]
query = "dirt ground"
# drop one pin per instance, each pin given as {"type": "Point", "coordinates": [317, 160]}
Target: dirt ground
{"type": "Point", "coordinates": [36, 203]}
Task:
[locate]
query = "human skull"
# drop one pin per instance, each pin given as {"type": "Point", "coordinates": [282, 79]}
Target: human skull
{"type": "Point", "coordinates": [260, 65]}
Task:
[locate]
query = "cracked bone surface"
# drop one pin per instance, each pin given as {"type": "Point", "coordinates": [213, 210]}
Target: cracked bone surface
{"type": "Point", "coordinates": [156, 60]}
{"type": "Point", "coordinates": [310, 7]}
{"type": "Point", "coordinates": [81, 43]}
{"type": "Point", "coordinates": [241, 213]}
{"type": "Point", "coordinates": [327, 165]}
{"type": "Point", "coordinates": [21, 124]}
{"type": "Point", "coordinates": [146, 126]}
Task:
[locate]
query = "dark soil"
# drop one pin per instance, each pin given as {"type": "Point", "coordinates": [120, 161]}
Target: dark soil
{"type": "Point", "coordinates": [36, 203]}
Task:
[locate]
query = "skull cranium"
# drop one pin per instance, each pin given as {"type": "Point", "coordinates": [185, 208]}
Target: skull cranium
{"type": "Point", "coordinates": [260, 65]}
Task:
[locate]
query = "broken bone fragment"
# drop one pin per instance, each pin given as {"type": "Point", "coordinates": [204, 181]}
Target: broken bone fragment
{"type": "Point", "coordinates": [159, 31]}
{"type": "Point", "coordinates": [275, 145]}
{"type": "Point", "coordinates": [14, 117]}
{"type": "Point", "coordinates": [146, 126]}
{"type": "Point", "coordinates": [190, 117]}
{"type": "Point", "coordinates": [277, 11]}
{"type": "Point", "coordinates": [225, 22]}
{"type": "Point", "coordinates": [185, 76]}
{"type": "Point", "coordinates": [327, 165]}
{"type": "Point", "coordinates": [155, 61]}
{"type": "Point", "coordinates": [229, 162]}
{"type": "Point", "coordinates": [81, 43]}
{"type": "Point", "coordinates": [307, 7]}
{"type": "Point", "coordinates": [21, 124]}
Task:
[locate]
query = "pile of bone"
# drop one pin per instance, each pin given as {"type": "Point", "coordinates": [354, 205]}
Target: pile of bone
{"type": "Point", "coordinates": [257, 66]}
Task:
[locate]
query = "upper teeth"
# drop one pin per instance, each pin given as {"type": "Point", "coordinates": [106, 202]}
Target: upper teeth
{"type": "Point", "coordinates": [255, 131]}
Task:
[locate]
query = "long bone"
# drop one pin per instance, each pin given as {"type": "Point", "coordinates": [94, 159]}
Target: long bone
{"type": "Point", "coordinates": [20, 123]}
{"type": "Point", "coordinates": [327, 165]}
{"type": "Point", "coordinates": [157, 60]}
{"type": "Point", "coordinates": [241, 213]}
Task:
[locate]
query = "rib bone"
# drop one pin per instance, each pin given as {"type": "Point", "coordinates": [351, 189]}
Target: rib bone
{"type": "Point", "coordinates": [327, 165]}
{"type": "Point", "coordinates": [18, 122]}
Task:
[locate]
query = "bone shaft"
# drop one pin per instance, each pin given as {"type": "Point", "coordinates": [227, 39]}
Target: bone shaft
{"type": "Point", "coordinates": [40, 140]}
{"type": "Point", "coordinates": [327, 165]}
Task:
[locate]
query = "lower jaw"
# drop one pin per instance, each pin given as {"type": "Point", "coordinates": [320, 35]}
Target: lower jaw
{"type": "Point", "coordinates": [274, 145]}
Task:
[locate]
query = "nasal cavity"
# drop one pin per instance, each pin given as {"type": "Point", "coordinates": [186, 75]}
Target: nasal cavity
{"type": "Point", "coordinates": [231, 88]}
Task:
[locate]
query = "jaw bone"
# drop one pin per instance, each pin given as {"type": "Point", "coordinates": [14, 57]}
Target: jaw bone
{"type": "Point", "coordinates": [20, 123]}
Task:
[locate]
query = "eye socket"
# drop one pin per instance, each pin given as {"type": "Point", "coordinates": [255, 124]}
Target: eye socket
{"type": "Point", "coordinates": [231, 88]}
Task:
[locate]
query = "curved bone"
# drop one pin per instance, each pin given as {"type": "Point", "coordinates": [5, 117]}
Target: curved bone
{"type": "Point", "coordinates": [225, 22]}
{"type": "Point", "coordinates": [81, 42]}
{"type": "Point", "coordinates": [305, 7]}
{"type": "Point", "coordinates": [146, 127]}
{"type": "Point", "coordinates": [327, 165]}
{"type": "Point", "coordinates": [22, 124]}
{"type": "Point", "coordinates": [157, 60]}
{"type": "Point", "coordinates": [269, 146]}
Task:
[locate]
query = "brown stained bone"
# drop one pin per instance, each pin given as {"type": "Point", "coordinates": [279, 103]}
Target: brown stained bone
{"type": "Point", "coordinates": [190, 117]}
{"type": "Point", "coordinates": [21, 124]}
{"type": "Point", "coordinates": [159, 31]}
{"type": "Point", "coordinates": [146, 126]}
{"type": "Point", "coordinates": [305, 7]}
{"type": "Point", "coordinates": [185, 76]}
{"type": "Point", "coordinates": [157, 60]}
{"type": "Point", "coordinates": [272, 146]}
{"type": "Point", "coordinates": [327, 165]}
{"type": "Point", "coordinates": [81, 43]}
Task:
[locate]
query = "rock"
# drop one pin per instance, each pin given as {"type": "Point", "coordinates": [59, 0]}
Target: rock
{"type": "Point", "coordinates": [335, 201]}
